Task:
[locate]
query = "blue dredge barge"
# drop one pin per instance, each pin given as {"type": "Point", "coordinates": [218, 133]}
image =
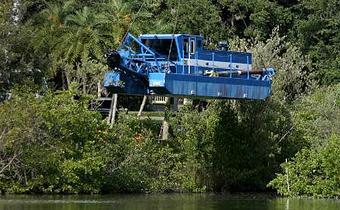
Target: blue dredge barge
{"type": "Point", "coordinates": [179, 65]}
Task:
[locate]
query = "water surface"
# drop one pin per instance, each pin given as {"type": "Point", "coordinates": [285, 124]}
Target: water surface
{"type": "Point", "coordinates": [163, 202]}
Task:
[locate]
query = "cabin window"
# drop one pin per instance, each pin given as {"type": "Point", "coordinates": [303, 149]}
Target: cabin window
{"type": "Point", "coordinates": [186, 46]}
{"type": "Point", "coordinates": [162, 47]}
{"type": "Point", "coordinates": [192, 46]}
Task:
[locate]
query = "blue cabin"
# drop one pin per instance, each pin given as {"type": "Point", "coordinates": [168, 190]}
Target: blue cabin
{"type": "Point", "coordinates": [179, 65]}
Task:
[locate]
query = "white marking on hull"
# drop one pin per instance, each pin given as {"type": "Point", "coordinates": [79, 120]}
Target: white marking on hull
{"type": "Point", "coordinates": [217, 64]}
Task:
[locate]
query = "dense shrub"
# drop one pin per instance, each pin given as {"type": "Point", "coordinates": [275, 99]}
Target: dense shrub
{"type": "Point", "coordinates": [312, 172]}
{"type": "Point", "coordinates": [54, 144]}
{"type": "Point", "coordinates": [315, 169]}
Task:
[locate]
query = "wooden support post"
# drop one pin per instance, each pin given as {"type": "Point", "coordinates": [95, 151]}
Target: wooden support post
{"type": "Point", "coordinates": [113, 109]}
{"type": "Point", "coordinates": [164, 134]}
{"type": "Point", "coordinates": [142, 106]}
{"type": "Point", "coordinates": [175, 105]}
{"type": "Point", "coordinates": [167, 109]}
{"type": "Point", "coordinates": [165, 131]}
{"type": "Point", "coordinates": [110, 112]}
{"type": "Point", "coordinates": [187, 101]}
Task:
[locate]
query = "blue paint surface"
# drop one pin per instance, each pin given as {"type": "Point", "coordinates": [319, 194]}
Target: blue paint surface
{"type": "Point", "coordinates": [215, 87]}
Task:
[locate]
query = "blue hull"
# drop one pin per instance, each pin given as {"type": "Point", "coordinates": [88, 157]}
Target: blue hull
{"type": "Point", "coordinates": [188, 85]}
{"type": "Point", "coordinates": [209, 87]}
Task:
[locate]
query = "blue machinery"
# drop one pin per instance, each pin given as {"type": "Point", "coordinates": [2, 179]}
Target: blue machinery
{"type": "Point", "coordinates": [178, 65]}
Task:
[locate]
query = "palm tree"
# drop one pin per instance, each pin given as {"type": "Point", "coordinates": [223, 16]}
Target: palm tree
{"type": "Point", "coordinates": [74, 37]}
{"type": "Point", "coordinates": [118, 14]}
{"type": "Point", "coordinates": [90, 32]}
{"type": "Point", "coordinates": [87, 35]}
{"type": "Point", "coordinates": [55, 13]}
{"type": "Point", "coordinates": [52, 27]}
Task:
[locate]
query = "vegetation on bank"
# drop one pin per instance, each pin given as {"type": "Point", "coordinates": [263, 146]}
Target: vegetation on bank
{"type": "Point", "coordinates": [315, 169]}
{"type": "Point", "coordinates": [51, 60]}
{"type": "Point", "coordinates": [54, 144]}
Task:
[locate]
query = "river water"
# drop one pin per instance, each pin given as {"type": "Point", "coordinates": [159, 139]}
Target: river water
{"type": "Point", "coordinates": [163, 202]}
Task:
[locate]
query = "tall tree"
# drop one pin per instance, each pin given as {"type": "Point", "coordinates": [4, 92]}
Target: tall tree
{"type": "Point", "coordinates": [317, 32]}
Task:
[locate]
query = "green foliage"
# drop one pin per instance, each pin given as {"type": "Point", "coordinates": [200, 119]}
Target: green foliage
{"type": "Point", "coordinates": [315, 169]}
{"type": "Point", "coordinates": [255, 18]}
{"type": "Point", "coordinates": [211, 150]}
{"type": "Point", "coordinates": [317, 116]}
{"type": "Point", "coordinates": [193, 17]}
{"type": "Point", "coordinates": [318, 34]}
{"type": "Point", "coordinates": [292, 78]}
{"type": "Point", "coordinates": [41, 141]}
{"type": "Point", "coordinates": [54, 144]}
{"type": "Point", "coordinates": [232, 145]}
{"type": "Point", "coordinates": [312, 172]}
{"type": "Point", "coordinates": [16, 62]}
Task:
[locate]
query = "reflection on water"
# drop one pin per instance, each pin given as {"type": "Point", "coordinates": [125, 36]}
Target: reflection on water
{"type": "Point", "coordinates": [164, 202]}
